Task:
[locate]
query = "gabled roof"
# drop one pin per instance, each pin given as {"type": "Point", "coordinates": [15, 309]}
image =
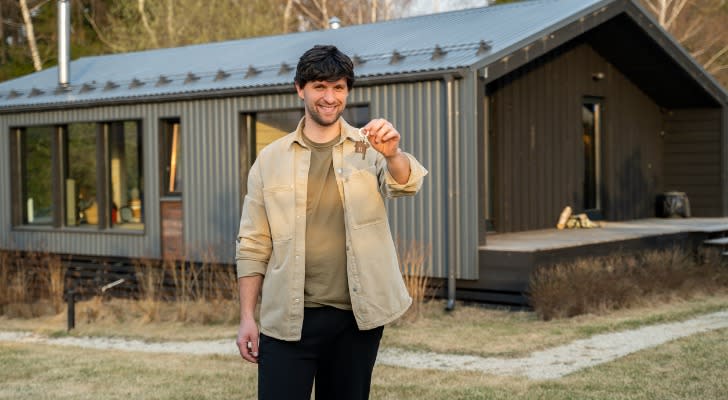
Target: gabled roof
{"type": "Point", "coordinates": [424, 44]}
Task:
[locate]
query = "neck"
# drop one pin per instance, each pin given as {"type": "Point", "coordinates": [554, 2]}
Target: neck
{"type": "Point", "coordinates": [320, 134]}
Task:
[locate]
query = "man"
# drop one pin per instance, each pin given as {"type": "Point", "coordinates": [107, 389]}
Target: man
{"type": "Point", "coordinates": [315, 243]}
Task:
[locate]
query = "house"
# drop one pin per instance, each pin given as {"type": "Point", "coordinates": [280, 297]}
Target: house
{"type": "Point", "coordinates": [516, 110]}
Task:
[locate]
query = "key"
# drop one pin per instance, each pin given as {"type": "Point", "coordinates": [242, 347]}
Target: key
{"type": "Point", "coordinates": [361, 145]}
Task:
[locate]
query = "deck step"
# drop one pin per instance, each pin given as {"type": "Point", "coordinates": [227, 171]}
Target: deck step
{"type": "Point", "coordinates": [717, 241]}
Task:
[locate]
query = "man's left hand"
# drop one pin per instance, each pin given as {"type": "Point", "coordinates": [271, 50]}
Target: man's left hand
{"type": "Point", "coordinates": [383, 137]}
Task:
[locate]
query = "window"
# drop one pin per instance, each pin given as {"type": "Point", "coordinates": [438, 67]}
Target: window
{"type": "Point", "coordinates": [258, 130]}
{"type": "Point", "coordinates": [267, 126]}
{"type": "Point", "coordinates": [127, 183]}
{"type": "Point", "coordinates": [86, 175]}
{"type": "Point", "coordinates": [591, 121]}
{"type": "Point", "coordinates": [171, 145]}
{"type": "Point", "coordinates": [81, 205]}
{"type": "Point", "coordinates": [37, 175]}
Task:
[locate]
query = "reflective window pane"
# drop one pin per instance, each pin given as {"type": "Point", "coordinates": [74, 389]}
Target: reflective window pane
{"type": "Point", "coordinates": [272, 125]}
{"type": "Point", "coordinates": [36, 175]}
{"type": "Point", "coordinates": [172, 153]}
{"type": "Point", "coordinates": [80, 183]}
{"type": "Point", "coordinates": [125, 207]}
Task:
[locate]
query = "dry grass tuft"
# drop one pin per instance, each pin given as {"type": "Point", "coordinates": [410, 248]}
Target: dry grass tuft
{"type": "Point", "coordinates": [600, 285]}
{"type": "Point", "coordinates": [187, 292]}
{"type": "Point", "coordinates": [412, 259]}
{"type": "Point", "coordinates": [31, 284]}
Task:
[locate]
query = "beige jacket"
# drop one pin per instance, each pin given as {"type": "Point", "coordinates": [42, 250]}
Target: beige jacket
{"type": "Point", "coordinates": [271, 241]}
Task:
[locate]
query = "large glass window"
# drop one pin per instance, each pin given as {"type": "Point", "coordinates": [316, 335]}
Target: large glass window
{"type": "Point", "coordinates": [271, 125]}
{"type": "Point", "coordinates": [36, 175]}
{"type": "Point", "coordinates": [78, 175]}
{"type": "Point", "coordinates": [127, 185]}
{"type": "Point", "coordinates": [258, 130]}
{"type": "Point", "coordinates": [81, 204]}
{"type": "Point", "coordinates": [171, 144]}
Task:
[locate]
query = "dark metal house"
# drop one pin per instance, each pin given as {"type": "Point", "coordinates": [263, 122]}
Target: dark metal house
{"type": "Point", "coordinates": [516, 110]}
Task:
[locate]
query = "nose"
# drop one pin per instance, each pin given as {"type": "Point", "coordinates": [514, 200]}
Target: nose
{"type": "Point", "coordinates": [329, 96]}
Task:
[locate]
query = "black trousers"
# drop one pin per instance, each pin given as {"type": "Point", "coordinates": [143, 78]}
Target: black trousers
{"type": "Point", "coordinates": [332, 351]}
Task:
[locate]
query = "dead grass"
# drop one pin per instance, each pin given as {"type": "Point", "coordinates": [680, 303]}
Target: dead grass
{"type": "Point", "coordinates": [493, 332]}
{"type": "Point", "coordinates": [412, 258]}
{"type": "Point", "coordinates": [31, 283]}
{"type": "Point", "coordinates": [189, 292]}
{"type": "Point", "coordinates": [602, 285]}
{"type": "Point", "coordinates": [689, 368]}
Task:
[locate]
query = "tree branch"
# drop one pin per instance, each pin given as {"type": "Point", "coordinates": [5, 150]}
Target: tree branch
{"type": "Point", "coordinates": [145, 22]}
{"type": "Point", "coordinates": [31, 35]}
{"type": "Point", "coordinates": [716, 56]}
{"type": "Point", "coordinates": [101, 36]}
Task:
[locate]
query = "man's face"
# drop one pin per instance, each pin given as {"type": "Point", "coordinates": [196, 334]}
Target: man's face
{"type": "Point", "coordinates": [324, 101]}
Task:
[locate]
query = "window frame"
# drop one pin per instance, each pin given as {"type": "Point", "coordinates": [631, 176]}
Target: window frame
{"type": "Point", "coordinates": [165, 124]}
{"type": "Point", "coordinates": [59, 171]}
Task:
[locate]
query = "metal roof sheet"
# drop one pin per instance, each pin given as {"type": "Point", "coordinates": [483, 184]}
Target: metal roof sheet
{"type": "Point", "coordinates": [457, 33]}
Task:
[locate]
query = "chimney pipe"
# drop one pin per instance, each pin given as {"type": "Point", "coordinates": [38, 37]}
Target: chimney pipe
{"type": "Point", "coordinates": [64, 42]}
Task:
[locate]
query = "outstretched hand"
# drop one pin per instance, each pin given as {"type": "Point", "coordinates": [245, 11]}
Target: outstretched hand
{"type": "Point", "coordinates": [382, 136]}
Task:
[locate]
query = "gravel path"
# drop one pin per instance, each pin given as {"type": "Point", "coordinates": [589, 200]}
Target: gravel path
{"type": "Point", "coordinates": [548, 364]}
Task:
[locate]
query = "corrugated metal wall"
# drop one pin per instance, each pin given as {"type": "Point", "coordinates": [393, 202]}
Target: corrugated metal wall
{"type": "Point", "coordinates": [539, 154]}
{"type": "Point", "coordinates": [211, 200]}
{"type": "Point", "coordinates": [693, 158]}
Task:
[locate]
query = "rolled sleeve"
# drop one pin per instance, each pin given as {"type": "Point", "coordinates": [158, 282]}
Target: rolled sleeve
{"type": "Point", "coordinates": [391, 188]}
{"type": "Point", "coordinates": [247, 268]}
{"type": "Point", "coordinates": [253, 245]}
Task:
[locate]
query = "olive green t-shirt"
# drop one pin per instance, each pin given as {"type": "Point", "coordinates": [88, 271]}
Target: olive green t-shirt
{"type": "Point", "coordinates": [326, 282]}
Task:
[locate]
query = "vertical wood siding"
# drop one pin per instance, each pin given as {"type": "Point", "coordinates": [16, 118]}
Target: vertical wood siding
{"type": "Point", "coordinates": [539, 159]}
{"type": "Point", "coordinates": [693, 159]}
{"type": "Point", "coordinates": [212, 196]}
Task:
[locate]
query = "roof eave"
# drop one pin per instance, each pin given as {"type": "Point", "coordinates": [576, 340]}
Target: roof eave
{"type": "Point", "coordinates": [500, 63]}
{"type": "Point", "coordinates": [496, 65]}
{"type": "Point", "coordinates": [235, 92]}
{"type": "Point", "coordinates": [652, 28]}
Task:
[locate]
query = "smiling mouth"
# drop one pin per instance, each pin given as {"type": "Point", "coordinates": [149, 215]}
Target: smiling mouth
{"type": "Point", "coordinates": [327, 109]}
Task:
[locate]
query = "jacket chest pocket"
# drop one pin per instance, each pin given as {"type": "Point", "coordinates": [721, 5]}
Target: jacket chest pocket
{"type": "Point", "coordinates": [280, 207]}
{"type": "Point", "coordinates": [364, 204]}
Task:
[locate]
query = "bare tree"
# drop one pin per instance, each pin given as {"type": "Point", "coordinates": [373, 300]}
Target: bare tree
{"type": "Point", "coordinates": [3, 48]}
{"type": "Point", "coordinates": [701, 26]}
{"type": "Point", "coordinates": [172, 23]}
{"type": "Point", "coordinates": [31, 35]}
{"type": "Point", "coordinates": [667, 11]}
{"type": "Point", "coordinates": [316, 13]}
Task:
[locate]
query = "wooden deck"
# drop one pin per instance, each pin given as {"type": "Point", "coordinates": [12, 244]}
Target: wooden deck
{"type": "Point", "coordinates": [507, 260]}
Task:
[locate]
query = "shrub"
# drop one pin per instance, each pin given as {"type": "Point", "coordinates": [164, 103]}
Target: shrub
{"type": "Point", "coordinates": [599, 285]}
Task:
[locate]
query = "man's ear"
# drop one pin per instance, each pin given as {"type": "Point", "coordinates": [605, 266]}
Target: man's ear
{"type": "Point", "coordinates": [299, 89]}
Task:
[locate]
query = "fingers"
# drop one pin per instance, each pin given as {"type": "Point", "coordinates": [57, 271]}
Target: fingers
{"type": "Point", "coordinates": [248, 349]}
{"type": "Point", "coordinates": [380, 131]}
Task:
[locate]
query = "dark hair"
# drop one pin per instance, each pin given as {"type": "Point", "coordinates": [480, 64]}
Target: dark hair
{"type": "Point", "coordinates": [324, 63]}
